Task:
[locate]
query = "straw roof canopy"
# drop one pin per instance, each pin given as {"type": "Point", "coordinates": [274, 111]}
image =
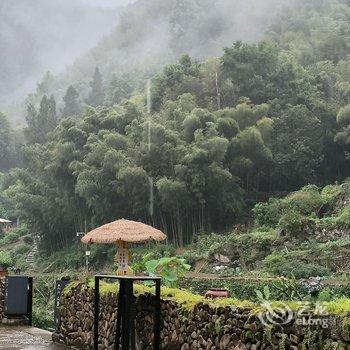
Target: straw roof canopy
{"type": "Point", "coordinates": [123, 230]}
{"type": "Point", "coordinates": [4, 221]}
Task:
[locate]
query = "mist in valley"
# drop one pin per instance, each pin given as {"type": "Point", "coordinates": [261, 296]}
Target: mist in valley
{"type": "Point", "coordinates": [42, 35]}
{"type": "Point", "coordinates": [70, 38]}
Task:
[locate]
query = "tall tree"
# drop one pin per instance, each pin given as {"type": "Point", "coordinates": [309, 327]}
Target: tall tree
{"type": "Point", "coordinates": [5, 139]}
{"type": "Point", "coordinates": [72, 105]}
{"type": "Point", "coordinates": [39, 124]}
{"type": "Point", "coordinates": [97, 95]}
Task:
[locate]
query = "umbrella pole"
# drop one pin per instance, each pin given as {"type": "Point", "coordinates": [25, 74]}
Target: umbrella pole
{"type": "Point", "coordinates": [123, 259]}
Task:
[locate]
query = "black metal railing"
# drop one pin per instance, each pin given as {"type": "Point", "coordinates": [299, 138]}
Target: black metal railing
{"type": "Point", "coordinates": [126, 315]}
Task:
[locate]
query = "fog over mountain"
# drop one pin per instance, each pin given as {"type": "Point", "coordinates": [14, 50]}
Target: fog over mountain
{"type": "Point", "coordinates": [41, 35]}
{"type": "Point", "coordinates": [74, 36]}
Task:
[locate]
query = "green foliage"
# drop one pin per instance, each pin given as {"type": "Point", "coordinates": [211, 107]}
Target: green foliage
{"type": "Point", "coordinates": [268, 214]}
{"type": "Point", "coordinates": [284, 265]}
{"type": "Point", "coordinates": [260, 119]}
{"type": "Point", "coordinates": [5, 146]}
{"type": "Point", "coordinates": [42, 318]}
{"type": "Point", "coordinates": [72, 105]}
{"type": "Point", "coordinates": [170, 269]}
{"type": "Point", "coordinates": [42, 122]}
{"type": "Point", "coordinates": [245, 288]}
{"type": "Point", "coordinates": [325, 295]}
{"type": "Point", "coordinates": [20, 230]}
{"type": "Point", "coordinates": [22, 249]}
{"type": "Point", "coordinates": [5, 259]}
{"type": "Point", "coordinates": [306, 209]}
{"type": "Point", "coordinates": [28, 240]}
{"type": "Point", "coordinates": [306, 201]}
{"type": "Point", "coordinates": [96, 96]}
{"type": "Point", "coordinates": [9, 237]}
{"type": "Point", "coordinates": [343, 117]}
{"type": "Point", "coordinates": [292, 222]}
{"type": "Point", "coordinates": [70, 258]}
{"type": "Point", "coordinates": [343, 220]}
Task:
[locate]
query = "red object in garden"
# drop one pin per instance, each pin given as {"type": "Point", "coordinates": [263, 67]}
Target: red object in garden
{"type": "Point", "coordinates": [213, 293]}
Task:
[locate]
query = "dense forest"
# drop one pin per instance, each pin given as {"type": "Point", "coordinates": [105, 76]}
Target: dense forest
{"type": "Point", "coordinates": [222, 131]}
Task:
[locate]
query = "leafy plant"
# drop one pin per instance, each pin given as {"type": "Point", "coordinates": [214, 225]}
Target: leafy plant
{"type": "Point", "coordinates": [170, 269]}
{"type": "Point", "coordinates": [292, 222]}
{"type": "Point", "coordinates": [22, 249]}
{"type": "Point", "coordinates": [268, 214]}
{"type": "Point", "coordinates": [5, 259]}
{"type": "Point", "coordinates": [264, 294]}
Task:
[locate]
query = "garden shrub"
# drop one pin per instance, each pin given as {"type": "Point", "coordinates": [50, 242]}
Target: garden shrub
{"type": "Point", "coordinates": [9, 238]}
{"type": "Point", "coordinates": [284, 265]}
{"type": "Point", "coordinates": [205, 245]}
{"type": "Point", "coordinates": [245, 288]}
{"type": "Point", "coordinates": [268, 214]}
{"type": "Point", "coordinates": [28, 239]}
{"type": "Point", "coordinates": [153, 251]}
{"type": "Point", "coordinates": [5, 259]}
{"type": "Point", "coordinates": [325, 295]}
{"type": "Point", "coordinates": [331, 193]}
{"type": "Point", "coordinates": [21, 230]}
{"type": "Point", "coordinates": [334, 196]}
{"type": "Point", "coordinates": [343, 220]}
{"type": "Point", "coordinates": [306, 201]}
{"type": "Point", "coordinates": [71, 257]}
{"type": "Point", "coordinates": [293, 222]}
{"type": "Point", "coordinates": [22, 249]}
{"type": "Point", "coordinates": [170, 269]}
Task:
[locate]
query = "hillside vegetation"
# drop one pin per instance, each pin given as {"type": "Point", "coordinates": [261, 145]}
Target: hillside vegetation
{"type": "Point", "coordinates": [305, 234]}
{"type": "Point", "coordinates": [223, 133]}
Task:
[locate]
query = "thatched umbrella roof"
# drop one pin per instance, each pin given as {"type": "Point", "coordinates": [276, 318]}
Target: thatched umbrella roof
{"type": "Point", "coordinates": [123, 230]}
{"type": "Point", "coordinates": [4, 221]}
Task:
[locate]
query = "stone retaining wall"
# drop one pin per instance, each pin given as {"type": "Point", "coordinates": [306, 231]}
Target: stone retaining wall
{"type": "Point", "coordinates": [2, 298]}
{"type": "Point", "coordinates": [204, 327]}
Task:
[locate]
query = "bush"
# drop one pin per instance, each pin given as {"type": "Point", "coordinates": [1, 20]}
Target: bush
{"type": "Point", "coordinates": [21, 230]}
{"type": "Point", "coordinates": [71, 257]}
{"type": "Point", "coordinates": [42, 318]}
{"type": "Point", "coordinates": [292, 222]}
{"type": "Point", "coordinates": [170, 269]}
{"type": "Point", "coordinates": [282, 265]}
{"type": "Point", "coordinates": [306, 201]}
{"type": "Point", "coordinates": [22, 249]}
{"type": "Point", "coordinates": [245, 288]}
{"type": "Point", "coordinates": [330, 193]}
{"type": "Point", "coordinates": [343, 219]}
{"type": "Point", "coordinates": [205, 245]}
{"type": "Point", "coordinates": [28, 239]}
{"type": "Point", "coordinates": [5, 259]}
{"type": "Point", "coordinates": [9, 238]}
{"type": "Point", "coordinates": [326, 295]}
{"type": "Point", "coordinates": [268, 214]}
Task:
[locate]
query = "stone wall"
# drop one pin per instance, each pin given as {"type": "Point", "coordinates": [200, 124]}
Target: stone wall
{"type": "Point", "coordinates": [204, 327]}
{"type": "Point", "coordinates": [2, 298]}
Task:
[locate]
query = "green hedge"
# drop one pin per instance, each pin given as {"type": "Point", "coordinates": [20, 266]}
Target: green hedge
{"type": "Point", "coordinates": [280, 289]}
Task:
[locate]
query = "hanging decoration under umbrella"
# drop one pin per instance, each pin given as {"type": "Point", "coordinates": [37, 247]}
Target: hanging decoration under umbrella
{"type": "Point", "coordinates": [123, 232]}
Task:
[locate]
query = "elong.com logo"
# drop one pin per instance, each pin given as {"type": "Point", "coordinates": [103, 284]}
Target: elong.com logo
{"type": "Point", "coordinates": [305, 315]}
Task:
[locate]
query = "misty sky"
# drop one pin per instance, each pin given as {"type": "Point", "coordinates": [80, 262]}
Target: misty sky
{"type": "Point", "coordinates": [41, 35]}
{"type": "Point", "coordinates": [107, 3]}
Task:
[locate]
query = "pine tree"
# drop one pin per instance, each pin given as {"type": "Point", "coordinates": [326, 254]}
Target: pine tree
{"type": "Point", "coordinates": [97, 95]}
{"type": "Point", "coordinates": [5, 132]}
{"type": "Point", "coordinates": [30, 131]}
{"type": "Point", "coordinates": [39, 124]}
{"type": "Point", "coordinates": [72, 105]}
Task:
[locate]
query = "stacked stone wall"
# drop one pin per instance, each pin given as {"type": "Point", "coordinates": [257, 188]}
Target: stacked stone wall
{"type": "Point", "coordinates": [204, 327]}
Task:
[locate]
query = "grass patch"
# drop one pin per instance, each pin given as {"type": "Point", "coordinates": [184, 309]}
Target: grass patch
{"type": "Point", "coordinates": [188, 300]}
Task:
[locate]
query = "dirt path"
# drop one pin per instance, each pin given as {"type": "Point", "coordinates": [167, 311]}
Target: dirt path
{"type": "Point", "coordinates": [18, 338]}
